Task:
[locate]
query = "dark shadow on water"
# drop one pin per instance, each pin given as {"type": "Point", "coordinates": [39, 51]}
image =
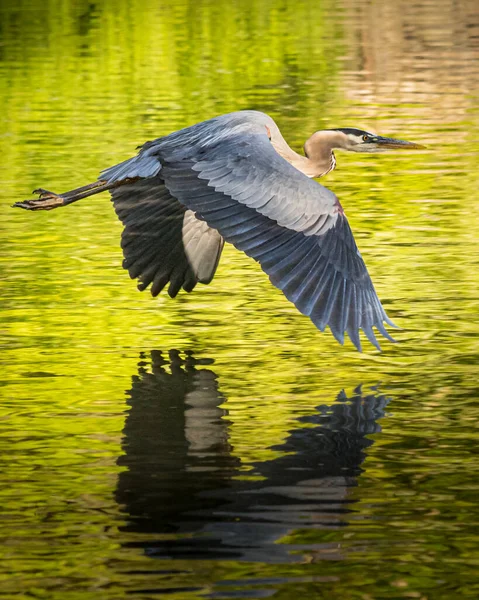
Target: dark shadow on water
{"type": "Point", "coordinates": [182, 483]}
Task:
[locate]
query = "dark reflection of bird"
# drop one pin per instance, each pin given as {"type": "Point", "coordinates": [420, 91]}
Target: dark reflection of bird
{"type": "Point", "coordinates": [235, 178]}
{"type": "Point", "coordinates": [183, 483]}
{"type": "Point", "coordinates": [175, 442]}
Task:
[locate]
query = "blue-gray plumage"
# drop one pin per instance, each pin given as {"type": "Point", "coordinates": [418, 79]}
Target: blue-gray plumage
{"type": "Point", "coordinates": [235, 178]}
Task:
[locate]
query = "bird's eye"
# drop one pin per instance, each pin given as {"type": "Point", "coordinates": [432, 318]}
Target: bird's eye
{"type": "Point", "coordinates": [365, 138]}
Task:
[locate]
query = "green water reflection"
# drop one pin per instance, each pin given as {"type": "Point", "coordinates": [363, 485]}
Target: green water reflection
{"type": "Point", "coordinates": [83, 83]}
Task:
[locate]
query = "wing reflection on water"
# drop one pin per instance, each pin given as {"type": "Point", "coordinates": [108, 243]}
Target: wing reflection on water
{"type": "Point", "coordinates": [181, 479]}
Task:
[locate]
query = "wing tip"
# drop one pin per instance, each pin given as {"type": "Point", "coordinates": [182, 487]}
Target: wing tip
{"type": "Point", "coordinates": [355, 339]}
{"type": "Point", "coordinates": [387, 320]}
{"type": "Point", "coordinates": [338, 335]}
{"type": "Point", "coordinates": [382, 330]}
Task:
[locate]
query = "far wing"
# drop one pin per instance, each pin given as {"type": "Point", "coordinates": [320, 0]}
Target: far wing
{"type": "Point", "coordinates": [163, 241]}
{"type": "Point", "coordinates": [294, 227]}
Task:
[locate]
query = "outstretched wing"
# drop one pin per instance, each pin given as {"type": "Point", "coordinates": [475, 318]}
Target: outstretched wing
{"type": "Point", "coordinates": [227, 171]}
{"type": "Point", "coordinates": [163, 241]}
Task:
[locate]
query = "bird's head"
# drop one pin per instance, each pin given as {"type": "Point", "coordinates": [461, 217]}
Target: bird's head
{"type": "Point", "coordinates": [319, 147]}
{"type": "Point", "coordinates": [357, 140]}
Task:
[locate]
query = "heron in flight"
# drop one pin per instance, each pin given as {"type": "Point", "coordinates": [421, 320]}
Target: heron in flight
{"type": "Point", "coordinates": [234, 178]}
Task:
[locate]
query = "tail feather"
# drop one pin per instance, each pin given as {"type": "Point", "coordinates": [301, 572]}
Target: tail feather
{"type": "Point", "coordinates": [141, 166]}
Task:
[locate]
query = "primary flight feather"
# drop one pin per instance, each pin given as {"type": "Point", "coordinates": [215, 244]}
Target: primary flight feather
{"type": "Point", "coordinates": [234, 178]}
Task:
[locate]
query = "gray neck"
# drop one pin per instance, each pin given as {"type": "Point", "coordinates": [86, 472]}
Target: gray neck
{"type": "Point", "coordinates": [319, 150]}
{"type": "Point", "coordinates": [319, 158]}
{"type": "Point", "coordinates": [314, 167]}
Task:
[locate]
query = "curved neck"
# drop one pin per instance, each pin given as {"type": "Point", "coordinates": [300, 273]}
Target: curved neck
{"type": "Point", "coordinates": [319, 149]}
{"type": "Point", "coordinates": [319, 158]}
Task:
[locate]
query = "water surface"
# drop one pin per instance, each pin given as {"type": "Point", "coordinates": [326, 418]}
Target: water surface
{"type": "Point", "coordinates": [219, 446]}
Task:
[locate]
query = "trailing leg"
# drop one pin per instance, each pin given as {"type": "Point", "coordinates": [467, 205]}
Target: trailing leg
{"type": "Point", "coordinates": [49, 200]}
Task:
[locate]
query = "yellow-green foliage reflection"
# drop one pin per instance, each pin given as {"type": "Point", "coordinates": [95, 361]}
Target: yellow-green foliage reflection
{"type": "Point", "coordinates": [81, 84]}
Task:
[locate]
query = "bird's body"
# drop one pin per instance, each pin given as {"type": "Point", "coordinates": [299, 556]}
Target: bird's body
{"type": "Point", "coordinates": [235, 178]}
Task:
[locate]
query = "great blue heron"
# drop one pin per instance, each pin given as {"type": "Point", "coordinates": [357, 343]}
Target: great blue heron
{"type": "Point", "coordinates": [235, 178]}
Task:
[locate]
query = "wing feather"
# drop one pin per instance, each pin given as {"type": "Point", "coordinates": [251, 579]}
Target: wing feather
{"type": "Point", "coordinates": [301, 240]}
{"type": "Point", "coordinates": [163, 241]}
{"type": "Point", "coordinates": [227, 174]}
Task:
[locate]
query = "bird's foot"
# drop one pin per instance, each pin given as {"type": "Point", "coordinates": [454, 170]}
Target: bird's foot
{"type": "Point", "coordinates": [42, 193]}
{"type": "Point", "coordinates": [46, 201]}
